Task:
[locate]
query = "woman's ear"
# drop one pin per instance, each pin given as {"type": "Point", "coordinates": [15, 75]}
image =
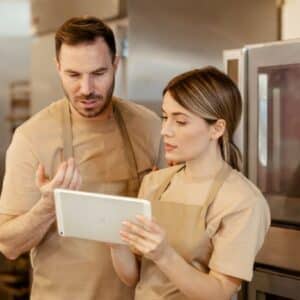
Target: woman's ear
{"type": "Point", "coordinates": [218, 129]}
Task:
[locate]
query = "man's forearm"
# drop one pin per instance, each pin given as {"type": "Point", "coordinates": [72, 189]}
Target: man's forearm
{"type": "Point", "coordinates": [22, 233]}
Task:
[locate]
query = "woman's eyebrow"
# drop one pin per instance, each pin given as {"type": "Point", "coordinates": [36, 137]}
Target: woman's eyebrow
{"type": "Point", "coordinates": [176, 113]}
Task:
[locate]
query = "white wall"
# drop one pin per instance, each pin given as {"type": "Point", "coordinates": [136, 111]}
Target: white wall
{"type": "Point", "coordinates": [45, 83]}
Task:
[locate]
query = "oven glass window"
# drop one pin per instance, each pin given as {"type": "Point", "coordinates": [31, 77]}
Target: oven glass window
{"type": "Point", "coordinates": [279, 140]}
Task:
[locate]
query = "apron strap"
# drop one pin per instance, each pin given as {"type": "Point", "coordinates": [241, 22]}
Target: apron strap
{"type": "Point", "coordinates": [213, 191]}
{"type": "Point", "coordinates": [68, 137]}
{"type": "Point", "coordinates": [165, 184]}
{"type": "Point", "coordinates": [67, 131]}
{"type": "Point", "coordinates": [133, 167]}
{"type": "Point", "coordinates": [216, 185]}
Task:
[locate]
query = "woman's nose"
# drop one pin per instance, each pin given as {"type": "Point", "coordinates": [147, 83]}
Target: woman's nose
{"type": "Point", "coordinates": [166, 129]}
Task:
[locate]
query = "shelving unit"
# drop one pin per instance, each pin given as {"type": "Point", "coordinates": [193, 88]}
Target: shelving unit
{"type": "Point", "coordinates": [19, 103]}
{"type": "Point", "coordinates": [15, 275]}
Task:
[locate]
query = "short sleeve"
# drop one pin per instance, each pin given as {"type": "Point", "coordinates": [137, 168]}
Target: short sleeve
{"type": "Point", "coordinates": [19, 192]}
{"type": "Point", "coordinates": [239, 237]}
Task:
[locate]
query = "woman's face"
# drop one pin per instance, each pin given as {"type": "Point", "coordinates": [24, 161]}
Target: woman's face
{"type": "Point", "coordinates": [186, 135]}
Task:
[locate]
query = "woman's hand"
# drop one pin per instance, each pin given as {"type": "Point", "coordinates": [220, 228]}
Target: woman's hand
{"type": "Point", "coordinates": [147, 237]}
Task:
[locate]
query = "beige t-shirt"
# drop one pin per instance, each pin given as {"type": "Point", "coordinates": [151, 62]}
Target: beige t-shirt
{"type": "Point", "coordinates": [236, 222]}
{"type": "Point", "coordinates": [66, 268]}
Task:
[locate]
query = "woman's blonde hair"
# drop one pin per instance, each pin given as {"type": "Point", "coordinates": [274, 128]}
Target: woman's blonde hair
{"type": "Point", "coordinates": [212, 95]}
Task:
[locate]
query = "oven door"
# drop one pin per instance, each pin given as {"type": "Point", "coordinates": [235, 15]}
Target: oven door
{"type": "Point", "coordinates": [234, 65]}
{"type": "Point", "coordinates": [274, 145]}
{"type": "Point", "coordinates": [274, 127]}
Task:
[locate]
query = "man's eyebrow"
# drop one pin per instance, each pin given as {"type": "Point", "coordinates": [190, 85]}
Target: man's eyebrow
{"type": "Point", "coordinates": [101, 69]}
{"type": "Point", "coordinates": [70, 71]}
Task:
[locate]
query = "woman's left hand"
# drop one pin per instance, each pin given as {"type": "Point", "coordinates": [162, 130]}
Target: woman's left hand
{"type": "Point", "coordinates": [147, 237]}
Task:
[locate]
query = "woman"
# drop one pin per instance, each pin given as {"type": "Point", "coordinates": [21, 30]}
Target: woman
{"type": "Point", "coordinates": [210, 221]}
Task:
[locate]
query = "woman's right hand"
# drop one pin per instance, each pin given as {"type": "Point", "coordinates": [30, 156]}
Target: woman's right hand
{"type": "Point", "coordinates": [147, 237]}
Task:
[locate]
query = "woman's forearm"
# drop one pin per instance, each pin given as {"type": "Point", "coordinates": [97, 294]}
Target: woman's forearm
{"type": "Point", "coordinates": [125, 264]}
{"type": "Point", "coordinates": [191, 282]}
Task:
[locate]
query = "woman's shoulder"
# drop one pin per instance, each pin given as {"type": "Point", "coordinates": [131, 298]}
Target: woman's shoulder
{"type": "Point", "coordinates": [153, 181]}
{"type": "Point", "coordinates": [159, 175]}
{"type": "Point", "coordinates": [239, 183]}
{"type": "Point", "coordinates": [239, 201]}
{"type": "Point", "coordinates": [239, 191]}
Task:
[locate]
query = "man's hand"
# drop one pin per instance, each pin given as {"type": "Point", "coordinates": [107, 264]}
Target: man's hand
{"type": "Point", "coordinates": [66, 177]}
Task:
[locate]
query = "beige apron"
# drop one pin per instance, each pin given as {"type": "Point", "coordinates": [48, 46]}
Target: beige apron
{"type": "Point", "coordinates": [134, 182]}
{"type": "Point", "coordinates": [67, 268]}
{"type": "Point", "coordinates": [185, 226]}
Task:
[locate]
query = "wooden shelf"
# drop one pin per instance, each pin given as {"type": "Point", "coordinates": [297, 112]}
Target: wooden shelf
{"type": "Point", "coordinates": [13, 118]}
{"type": "Point", "coordinates": [19, 103]}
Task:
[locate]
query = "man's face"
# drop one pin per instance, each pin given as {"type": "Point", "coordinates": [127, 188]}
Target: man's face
{"type": "Point", "coordinates": [87, 73]}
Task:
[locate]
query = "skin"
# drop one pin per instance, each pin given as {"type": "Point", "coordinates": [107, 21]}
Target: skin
{"type": "Point", "coordinates": [190, 139]}
{"type": "Point", "coordinates": [19, 234]}
{"type": "Point", "coordinates": [87, 74]}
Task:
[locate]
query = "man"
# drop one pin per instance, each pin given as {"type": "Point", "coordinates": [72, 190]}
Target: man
{"type": "Point", "coordinates": [88, 140]}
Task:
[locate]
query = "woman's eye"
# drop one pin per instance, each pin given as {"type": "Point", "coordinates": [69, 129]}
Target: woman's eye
{"type": "Point", "coordinates": [181, 123]}
{"type": "Point", "coordinates": [164, 118]}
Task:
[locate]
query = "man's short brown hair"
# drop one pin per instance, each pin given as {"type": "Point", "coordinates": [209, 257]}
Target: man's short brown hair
{"type": "Point", "coordinates": [80, 30]}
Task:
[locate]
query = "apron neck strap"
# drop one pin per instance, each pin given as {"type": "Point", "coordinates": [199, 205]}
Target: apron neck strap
{"type": "Point", "coordinates": [213, 191]}
{"type": "Point", "coordinates": [67, 130]}
{"type": "Point", "coordinates": [133, 167]}
{"type": "Point", "coordinates": [165, 184]}
{"type": "Point", "coordinates": [216, 185]}
{"type": "Point", "coordinates": [68, 137]}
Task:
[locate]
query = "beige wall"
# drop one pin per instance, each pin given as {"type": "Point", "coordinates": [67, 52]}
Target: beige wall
{"type": "Point", "coordinates": [14, 54]}
{"type": "Point", "coordinates": [291, 19]}
{"type": "Point", "coordinates": [15, 43]}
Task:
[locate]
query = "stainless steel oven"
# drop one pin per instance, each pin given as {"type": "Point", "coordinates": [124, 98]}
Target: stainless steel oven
{"type": "Point", "coordinates": [269, 78]}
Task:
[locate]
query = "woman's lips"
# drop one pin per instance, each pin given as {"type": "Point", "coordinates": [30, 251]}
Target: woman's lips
{"type": "Point", "coordinates": [169, 147]}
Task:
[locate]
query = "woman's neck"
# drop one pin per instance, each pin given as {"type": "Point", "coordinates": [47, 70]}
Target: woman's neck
{"type": "Point", "coordinates": [205, 166]}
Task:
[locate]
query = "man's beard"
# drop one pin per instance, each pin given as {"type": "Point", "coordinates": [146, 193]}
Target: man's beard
{"type": "Point", "coordinates": [92, 96]}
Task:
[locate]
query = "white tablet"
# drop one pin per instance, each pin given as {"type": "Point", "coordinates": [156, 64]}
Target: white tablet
{"type": "Point", "coordinates": [96, 216]}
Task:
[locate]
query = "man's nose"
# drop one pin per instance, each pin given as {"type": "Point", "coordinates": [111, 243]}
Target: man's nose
{"type": "Point", "coordinates": [86, 85]}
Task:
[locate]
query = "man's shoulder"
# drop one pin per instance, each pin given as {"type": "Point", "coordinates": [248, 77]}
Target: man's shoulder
{"type": "Point", "coordinates": [134, 111]}
{"type": "Point", "coordinates": [46, 119]}
{"type": "Point", "coordinates": [45, 123]}
{"type": "Point", "coordinates": [143, 127]}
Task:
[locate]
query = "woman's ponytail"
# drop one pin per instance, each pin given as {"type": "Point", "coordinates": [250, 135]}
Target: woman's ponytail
{"type": "Point", "coordinates": [230, 152]}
